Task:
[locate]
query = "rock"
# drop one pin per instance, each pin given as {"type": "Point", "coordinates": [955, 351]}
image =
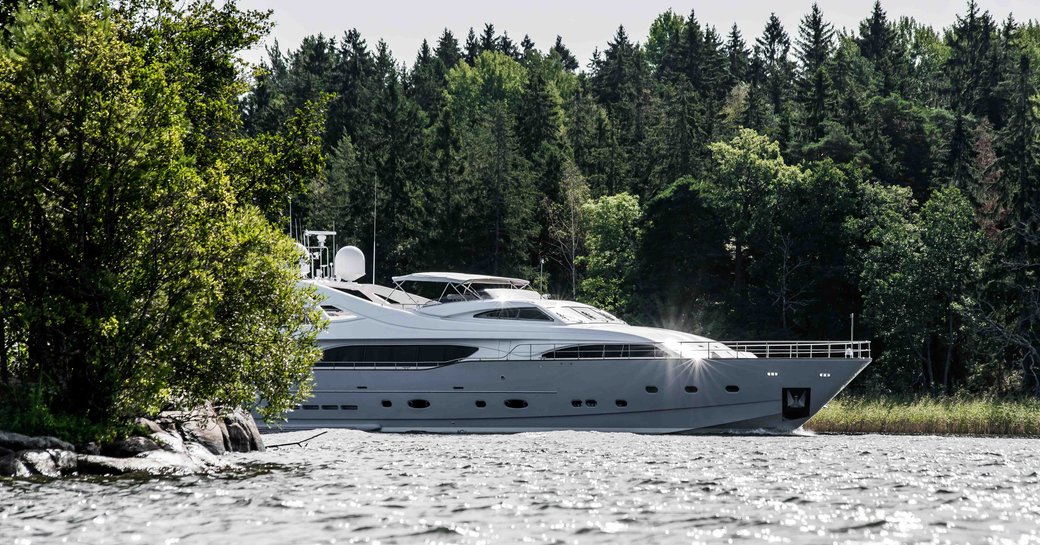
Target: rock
{"type": "Point", "coordinates": [17, 441]}
{"type": "Point", "coordinates": [151, 425]}
{"type": "Point", "coordinates": [88, 448]}
{"type": "Point", "coordinates": [48, 463]}
{"type": "Point", "coordinates": [202, 455]}
{"type": "Point", "coordinates": [156, 462]}
{"type": "Point", "coordinates": [243, 434]}
{"type": "Point", "coordinates": [170, 442]}
{"type": "Point", "coordinates": [131, 446]}
{"type": "Point", "coordinates": [12, 466]}
{"type": "Point", "coordinates": [210, 432]}
{"type": "Point", "coordinates": [5, 451]}
{"type": "Point", "coordinates": [238, 437]}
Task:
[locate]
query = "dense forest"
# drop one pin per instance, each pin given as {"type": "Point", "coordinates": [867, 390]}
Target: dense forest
{"type": "Point", "coordinates": [765, 186]}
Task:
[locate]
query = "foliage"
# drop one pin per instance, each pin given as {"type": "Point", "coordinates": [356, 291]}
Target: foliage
{"type": "Point", "coordinates": [139, 269]}
{"type": "Point", "coordinates": [611, 238]}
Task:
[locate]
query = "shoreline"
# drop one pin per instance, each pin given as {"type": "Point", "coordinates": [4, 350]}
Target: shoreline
{"type": "Point", "coordinates": [929, 416]}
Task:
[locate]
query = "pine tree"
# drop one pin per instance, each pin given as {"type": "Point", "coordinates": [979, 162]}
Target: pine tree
{"type": "Point", "coordinates": [472, 47]}
{"type": "Point", "coordinates": [814, 46]}
{"type": "Point", "coordinates": [488, 39]}
{"type": "Point", "coordinates": [879, 43]}
{"type": "Point", "coordinates": [971, 67]}
{"type": "Point", "coordinates": [447, 53]}
{"type": "Point", "coordinates": [424, 80]}
{"type": "Point", "coordinates": [738, 57]}
{"type": "Point", "coordinates": [774, 46]}
{"type": "Point", "coordinates": [569, 62]}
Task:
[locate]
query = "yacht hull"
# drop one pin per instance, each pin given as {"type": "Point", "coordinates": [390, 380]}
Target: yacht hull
{"type": "Point", "coordinates": [652, 396]}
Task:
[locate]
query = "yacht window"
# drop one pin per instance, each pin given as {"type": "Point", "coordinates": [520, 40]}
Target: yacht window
{"type": "Point", "coordinates": [380, 355]}
{"type": "Point", "coordinates": [600, 351]}
{"type": "Point", "coordinates": [334, 311]}
{"type": "Point", "coordinates": [515, 313]}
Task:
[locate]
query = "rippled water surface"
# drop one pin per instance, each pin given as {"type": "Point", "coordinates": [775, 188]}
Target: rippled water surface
{"type": "Point", "coordinates": [563, 487]}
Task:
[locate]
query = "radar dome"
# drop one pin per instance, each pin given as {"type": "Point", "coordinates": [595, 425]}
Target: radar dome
{"type": "Point", "coordinates": [349, 264]}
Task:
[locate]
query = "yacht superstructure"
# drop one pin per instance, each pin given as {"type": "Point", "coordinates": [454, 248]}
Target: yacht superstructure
{"type": "Point", "coordinates": [490, 355]}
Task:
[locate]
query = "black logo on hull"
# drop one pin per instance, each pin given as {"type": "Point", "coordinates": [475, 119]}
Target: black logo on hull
{"type": "Point", "coordinates": [796, 403]}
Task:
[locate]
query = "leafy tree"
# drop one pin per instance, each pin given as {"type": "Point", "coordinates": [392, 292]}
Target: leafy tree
{"type": "Point", "coordinates": [137, 256]}
{"type": "Point", "coordinates": [611, 237]}
{"type": "Point", "coordinates": [745, 171]}
{"type": "Point", "coordinates": [920, 279]}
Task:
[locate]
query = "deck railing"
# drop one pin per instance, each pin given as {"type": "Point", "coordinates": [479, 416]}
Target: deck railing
{"type": "Point", "coordinates": [690, 350]}
{"type": "Point", "coordinates": [665, 350]}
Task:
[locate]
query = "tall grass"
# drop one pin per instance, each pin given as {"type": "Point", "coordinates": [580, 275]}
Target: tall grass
{"type": "Point", "coordinates": [929, 415]}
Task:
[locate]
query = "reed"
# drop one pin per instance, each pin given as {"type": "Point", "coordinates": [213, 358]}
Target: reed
{"type": "Point", "coordinates": [929, 415]}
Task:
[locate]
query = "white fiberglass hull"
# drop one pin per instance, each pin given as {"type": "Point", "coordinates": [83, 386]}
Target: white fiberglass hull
{"type": "Point", "coordinates": [654, 396]}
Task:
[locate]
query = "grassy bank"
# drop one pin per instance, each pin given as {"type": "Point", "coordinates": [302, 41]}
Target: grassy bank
{"type": "Point", "coordinates": [929, 415]}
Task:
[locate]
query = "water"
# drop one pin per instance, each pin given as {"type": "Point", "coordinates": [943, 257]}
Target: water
{"type": "Point", "coordinates": [563, 487]}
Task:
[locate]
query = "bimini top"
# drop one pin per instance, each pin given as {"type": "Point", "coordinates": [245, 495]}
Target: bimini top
{"type": "Point", "coordinates": [460, 278]}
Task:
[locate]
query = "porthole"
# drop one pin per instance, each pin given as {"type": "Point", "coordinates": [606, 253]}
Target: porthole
{"type": "Point", "coordinates": [348, 407]}
{"type": "Point", "coordinates": [691, 389]}
{"type": "Point", "coordinates": [388, 403]}
{"type": "Point", "coordinates": [651, 389]}
{"type": "Point", "coordinates": [330, 407]}
{"type": "Point", "coordinates": [590, 402]}
{"type": "Point", "coordinates": [418, 403]}
{"type": "Point", "coordinates": [621, 403]}
{"type": "Point", "coordinates": [310, 407]}
{"type": "Point", "coordinates": [732, 388]}
{"type": "Point", "coordinates": [575, 403]}
{"type": "Point", "coordinates": [516, 403]}
{"type": "Point", "coordinates": [481, 403]}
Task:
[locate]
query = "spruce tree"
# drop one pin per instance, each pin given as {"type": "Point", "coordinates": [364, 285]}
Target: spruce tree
{"type": "Point", "coordinates": [814, 48]}
{"type": "Point", "coordinates": [569, 62]}
{"type": "Point", "coordinates": [737, 55]}
{"type": "Point", "coordinates": [773, 47]}
{"type": "Point", "coordinates": [472, 47]}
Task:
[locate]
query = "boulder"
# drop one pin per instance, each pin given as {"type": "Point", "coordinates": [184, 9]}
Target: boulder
{"type": "Point", "coordinates": [88, 448]}
{"type": "Point", "coordinates": [12, 466]}
{"type": "Point", "coordinates": [48, 463]}
{"type": "Point", "coordinates": [151, 425]}
{"type": "Point", "coordinates": [156, 462]}
{"type": "Point", "coordinates": [170, 442]}
{"type": "Point", "coordinates": [209, 432]}
{"type": "Point", "coordinates": [17, 441]}
{"type": "Point", "coordinates": [131, 446]}
{"type": "Point", "coordinates": [243, 435]}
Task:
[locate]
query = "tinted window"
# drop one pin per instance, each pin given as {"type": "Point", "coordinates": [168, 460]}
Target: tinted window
{"type": "Point", "coordinates": [418, 403]}
{"type": "Point", "coordinates": [515, 313]}
{"type": "Point", "coordinates": [607, 351]}
{"type": "Point", "coordinates": [377, 355]}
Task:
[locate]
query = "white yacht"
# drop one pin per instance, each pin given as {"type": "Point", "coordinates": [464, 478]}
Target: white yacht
{"type": "Point", "coordinates": [490, 355]}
